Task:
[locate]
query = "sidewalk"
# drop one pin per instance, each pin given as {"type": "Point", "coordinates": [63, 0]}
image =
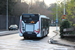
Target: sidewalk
{"type": "Point", "coordinates": [3, 30]}
{"type": "Point", "coordinates": [58, 40]}
{"type": "Point", "coordinates": [7, 32]}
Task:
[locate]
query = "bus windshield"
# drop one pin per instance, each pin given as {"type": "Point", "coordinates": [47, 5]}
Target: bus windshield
{"type": "Point", "coordinates": [27, 18]}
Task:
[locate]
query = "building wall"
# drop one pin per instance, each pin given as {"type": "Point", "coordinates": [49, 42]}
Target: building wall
{"type": "Point", "coordinates": [11, 21]}
{"type": "Point", "coordinates": [2, 22]}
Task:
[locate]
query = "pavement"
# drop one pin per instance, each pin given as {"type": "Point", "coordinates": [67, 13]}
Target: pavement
{"type": "Point", "coordinates": [7, 32]}
{"type": "Point", "coordinates": [57, 40]}
{"type": "Point", "coordinates": [54, 40]}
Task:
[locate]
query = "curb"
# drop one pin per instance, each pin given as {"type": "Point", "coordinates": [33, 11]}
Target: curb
{"type": "Point", "coordinates": [54, 35]}
{"type": "Point", "coordinates": [52, 41]}
{"type": "Point", "coordinates": [56, 42]}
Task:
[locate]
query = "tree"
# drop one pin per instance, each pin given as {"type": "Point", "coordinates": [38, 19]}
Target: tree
{"type": "Point", "coordinates": [69, 11]}
{"type": "Point", "coordinates": [3, 5]}
{"type": "Point", "coordinates": [63, 25]}
{"type": "Point", "coordinates": [20, 8]}
{"type": "Point", "coordinates": [51, 6]}
{"type": "Point", "coordinates": [39, 7]}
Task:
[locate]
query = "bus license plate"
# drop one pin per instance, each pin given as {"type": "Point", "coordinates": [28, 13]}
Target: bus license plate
{"type": "Point", "coordinates": [29, 32]}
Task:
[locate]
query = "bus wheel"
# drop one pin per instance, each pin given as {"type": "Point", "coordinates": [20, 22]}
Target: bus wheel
{"type": "Point", "coordinates": [46, 35]}
{"type": "Point", "coordinates": [25, 37]}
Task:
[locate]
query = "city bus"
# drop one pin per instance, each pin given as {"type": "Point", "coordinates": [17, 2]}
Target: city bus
{"type": "Point", "coordinates": [33, 25]}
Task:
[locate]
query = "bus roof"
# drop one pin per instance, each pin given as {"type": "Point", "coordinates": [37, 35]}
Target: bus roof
{"type": "Point", "coordinates": [30, 14]}
{"type": "Point", "coordinates": [43, 16]}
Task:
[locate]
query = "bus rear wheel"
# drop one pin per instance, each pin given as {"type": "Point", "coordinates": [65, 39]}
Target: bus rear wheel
{"type": "Point", "coordinates": [25, 37]}
{"type": "Point", "coordinates": [46, 35]}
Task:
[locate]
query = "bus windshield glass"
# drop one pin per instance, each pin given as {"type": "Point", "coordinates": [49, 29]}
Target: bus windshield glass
{"type": "Point", "coordinates": [27, 18]}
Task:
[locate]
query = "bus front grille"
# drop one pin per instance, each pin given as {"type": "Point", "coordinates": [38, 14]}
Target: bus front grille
{"type": "Point", "coordinates": [29, 28]}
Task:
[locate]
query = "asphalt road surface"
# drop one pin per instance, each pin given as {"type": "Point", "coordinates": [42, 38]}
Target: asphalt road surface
{"type": "Point", "coordinates": [15, 42]}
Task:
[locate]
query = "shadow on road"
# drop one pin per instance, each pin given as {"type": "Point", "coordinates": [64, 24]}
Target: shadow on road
{"type": "Point", "coordinates": [71, 39]}
{"type": "Point", "coordinates": [34, 39]}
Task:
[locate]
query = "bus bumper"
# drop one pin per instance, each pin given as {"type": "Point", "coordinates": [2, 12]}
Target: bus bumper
{"type": "Point", "coordinates": [29, 35]}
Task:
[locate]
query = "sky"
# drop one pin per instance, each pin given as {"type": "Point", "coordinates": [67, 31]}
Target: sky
{"type": "Point", "coordinates": [52, 1]}
{"type": "Point", "coordinates": [48, 2]}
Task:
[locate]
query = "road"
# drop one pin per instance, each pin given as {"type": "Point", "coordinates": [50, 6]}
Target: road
{"type": "Point", "coordinates": [15, 42]}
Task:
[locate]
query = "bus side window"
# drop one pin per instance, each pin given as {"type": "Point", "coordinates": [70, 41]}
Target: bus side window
{"type": "Point", "coordinates": [45, 22]}
{"type": "Point", "coordinates": [48, 23]}
{"type": "Point", "coordinates": [42, 22]}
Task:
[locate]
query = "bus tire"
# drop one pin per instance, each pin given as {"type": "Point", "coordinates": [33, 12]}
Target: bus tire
{"type": "Point", "coordinates": [46, 35]}
{"type": "Point", "coordinates": [24, 37]}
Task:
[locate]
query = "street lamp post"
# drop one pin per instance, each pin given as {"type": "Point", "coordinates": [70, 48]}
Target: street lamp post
{"type": "Point", "coordinates": [64, 7]}
{"type": "Point", "coordinates": [7, 16]}
{"type": "Point", "coordinates": [56, 16]}
{"type": "Point", "coordinates": [63, 12]}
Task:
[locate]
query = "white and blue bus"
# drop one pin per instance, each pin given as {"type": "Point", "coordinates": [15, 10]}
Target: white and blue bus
{"type": "Point", "coordinates": [33, 25]}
